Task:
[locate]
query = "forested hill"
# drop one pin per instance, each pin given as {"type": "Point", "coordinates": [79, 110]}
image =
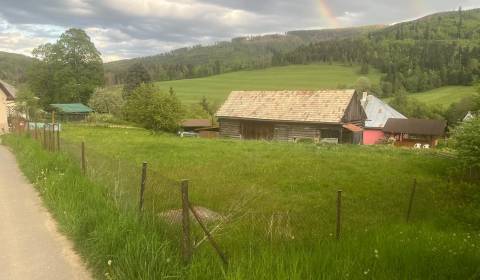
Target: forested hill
{"type": "Point", "coordinates": [13, 67]}
{"type": "Point", "coordinates": [441, 26]}
{"type": "Point", "coordinates": [239, 54]}
{"type": "Point", "coordinates": [434, 51]}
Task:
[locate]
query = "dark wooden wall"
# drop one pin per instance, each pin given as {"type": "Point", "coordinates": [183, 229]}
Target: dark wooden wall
{"type": "Point", "coordinates": [354, 112]}
{"type": "Point", "coordinates": [231, 128]}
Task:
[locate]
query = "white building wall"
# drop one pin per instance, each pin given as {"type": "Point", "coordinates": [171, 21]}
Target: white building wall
{"type": "Point", "coordinates": [3, 113]}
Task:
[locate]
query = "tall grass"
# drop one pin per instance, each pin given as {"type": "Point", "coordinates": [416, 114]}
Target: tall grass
{"type": "Point", "coordinates": [279, 199]}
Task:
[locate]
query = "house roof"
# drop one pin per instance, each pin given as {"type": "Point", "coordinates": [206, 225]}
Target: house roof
{"type": "Point", "coordinates": [378, 112]}
{"type": "Point", "coordinates": [72, 108]}
{"type": "Point", "coordinates": [296, 106]}
{"type": "Point", "coordinates": [196, 123]}
{"type": "Point", "coordinates": [416, 126]}
{"type": "Point", "coordinates": [8, 90]}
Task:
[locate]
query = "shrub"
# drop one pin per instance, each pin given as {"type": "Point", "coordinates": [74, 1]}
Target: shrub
{"type": "Point", "coordinates": [467, 143]}
{"type": "Point", "coordinates": [106, 102]}
{"type": "Point", "coordinates": [152, 109]}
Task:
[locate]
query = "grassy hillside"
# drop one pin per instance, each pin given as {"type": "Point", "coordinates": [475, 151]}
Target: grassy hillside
{"type": "Point", "coordinates": [308, 77]}
{"type": "Point", "coordinates": [279, 199]}
{"type": "Point", "coordinates": [445, 96]}
{"type": "Point", "coordinates": [13, 67]}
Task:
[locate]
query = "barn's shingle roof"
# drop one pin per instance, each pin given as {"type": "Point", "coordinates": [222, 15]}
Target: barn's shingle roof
{"type": "Point", "coordinates": [297, 106]}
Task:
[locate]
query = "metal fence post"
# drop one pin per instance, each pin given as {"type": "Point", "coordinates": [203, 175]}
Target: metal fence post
{"type": "Point", "coordinates": [44, 137]}
{"type": "Point", "coordinates": [58, 137]}
{"type": "Point", "coordinates": [186, 243]}
{"type": "Point", "coordinates": [84, 167]}
{"type": "Point", "coordinates": [142, 185]}
{"type": "Point", "coordinates": [339, 208]}
{"type": "Point", "coordinates": [412, 195]}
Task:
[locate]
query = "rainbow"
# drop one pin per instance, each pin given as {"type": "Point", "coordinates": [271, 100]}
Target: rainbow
{"type": "Point", "coordinates": [327, 13]}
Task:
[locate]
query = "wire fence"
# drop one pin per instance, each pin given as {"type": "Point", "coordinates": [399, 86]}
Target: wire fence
{"type": "Point", "coordinates": [133, 186]}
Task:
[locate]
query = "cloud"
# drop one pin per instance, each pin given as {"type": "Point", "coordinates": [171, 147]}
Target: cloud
{"type": "Point", "coordinates": [131, 28]}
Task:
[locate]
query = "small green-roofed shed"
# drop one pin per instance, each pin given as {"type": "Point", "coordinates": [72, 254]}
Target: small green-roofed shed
{"type": "Point", "coordinates": [72, 111]}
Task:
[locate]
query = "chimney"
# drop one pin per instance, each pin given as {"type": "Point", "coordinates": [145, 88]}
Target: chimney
{"type": "Point", "coordinates": [364, 95]}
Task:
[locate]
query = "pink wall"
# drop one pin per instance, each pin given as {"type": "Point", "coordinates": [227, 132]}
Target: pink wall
{"type": "Point", "coordinates": [371, 137]}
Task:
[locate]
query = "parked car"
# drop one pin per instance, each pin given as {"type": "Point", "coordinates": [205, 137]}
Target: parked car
{"type": "Point", "coordinates": [187, 134]}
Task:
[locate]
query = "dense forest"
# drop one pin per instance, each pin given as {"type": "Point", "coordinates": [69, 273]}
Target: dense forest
{"type": "Point", "coordinates": [242, 53]}
{"type": "Point", "coordinates": [13, 67]}
{"type": "Point", "coordinates": [441, 49]}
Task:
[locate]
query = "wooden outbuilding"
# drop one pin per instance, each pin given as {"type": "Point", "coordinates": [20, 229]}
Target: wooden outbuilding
{"type": "Point", "coordinates": [72, 111]}
{"type": "Point", "coordinates": [333, 116]}
{"type": "Point", "coordinates": [194, 124]}
{"type": "Point", "coordinates": [411, 132]}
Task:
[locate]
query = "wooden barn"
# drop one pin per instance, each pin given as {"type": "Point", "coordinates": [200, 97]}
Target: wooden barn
{"type": "Point", "coordinates": [411, 132]}
{"type": "Point", "coordinates": [334, 116]}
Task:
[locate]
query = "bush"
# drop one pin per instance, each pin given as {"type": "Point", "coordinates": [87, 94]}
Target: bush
{"type": "Point", "coordinates": [467, 143]}
{"type": "Point", "coordinates": [152, 109]}
{"type": "Point", "coordinates": [106, 102]}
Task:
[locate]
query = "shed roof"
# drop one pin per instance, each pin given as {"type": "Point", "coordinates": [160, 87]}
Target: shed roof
{"type": "Point", "coordinates": [72, 108]}
{"type": "Point", "coordinates": [416, 126]}
{"type": "Point", "coordinates": [8, 90]}
{"type": "Point", "coordinates": [327, 106]}
{"type": "Point", "coordinates": [378, 112]}
{"type": "Point", "coordinates": [196, 123]}
{"type": "Point", "coordinates": [352, 127]}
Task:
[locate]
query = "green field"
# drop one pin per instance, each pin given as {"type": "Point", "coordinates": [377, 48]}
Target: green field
{"type": "Point", "coordinates": [295, 77]}
{"type": "Point", "coordinates": [445, 96]}
{"type": "Point", "coordinates": [298, 77]}
{"type": "Point", "coordinates": [278, 200]}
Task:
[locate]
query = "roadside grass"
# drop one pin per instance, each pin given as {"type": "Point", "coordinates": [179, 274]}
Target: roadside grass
{"type": "Point", "coordinates": [280, 200]}
{"type": "Point", "coordinates": [295, 77]}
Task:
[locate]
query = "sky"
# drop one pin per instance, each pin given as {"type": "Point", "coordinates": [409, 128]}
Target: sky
{"type": "Point", "coordinates": [132, 28]}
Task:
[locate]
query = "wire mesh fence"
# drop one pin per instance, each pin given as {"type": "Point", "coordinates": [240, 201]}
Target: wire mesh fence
{"type": "Point", "coordinates": [161, 201]}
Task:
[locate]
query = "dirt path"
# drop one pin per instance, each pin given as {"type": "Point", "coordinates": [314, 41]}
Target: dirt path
{"type": "Point", "coordinates": [30, 245]}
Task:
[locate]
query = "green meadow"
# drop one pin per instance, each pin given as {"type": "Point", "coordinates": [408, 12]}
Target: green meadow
{"type": "Point", "coordinates": [277, 201]}
{"type": "Point", "coordinates": [445, 96]}
{"type": "Point", "coordinates": [295, 77]}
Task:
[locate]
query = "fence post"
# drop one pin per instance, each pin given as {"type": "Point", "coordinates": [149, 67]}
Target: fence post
{"type": "Point", "coordinates": [36, 131]}
{"type": "Point", "coordinates": [44, 137]}
{"type": "Point", "coordinates": [84, 168]}
{"type": "Point", "coordinates": [186, 243]}
{"type": "Point", "coordinates": [58, 137]}
{"type": "Point", "coordinates": [142, 185]}
{"type": "Point", "coordinates": [52, 138]}
{"type": "Point", "coordinates": [412, 195]}
{"type": "Point", "coordinates": [339, 208]}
